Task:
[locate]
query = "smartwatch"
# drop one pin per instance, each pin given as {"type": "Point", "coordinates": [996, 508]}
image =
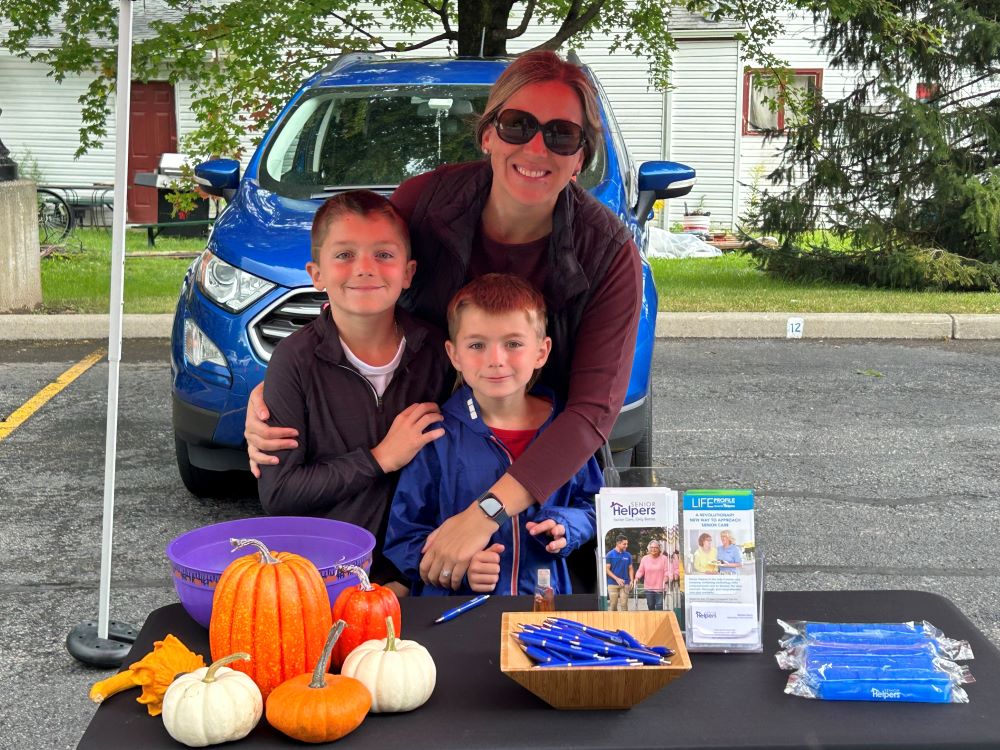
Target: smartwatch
{"type": "Point", "coordinates": [493, 508]}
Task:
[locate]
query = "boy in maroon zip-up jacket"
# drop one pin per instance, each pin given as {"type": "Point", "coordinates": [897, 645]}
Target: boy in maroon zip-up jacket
{"type": "Point", "coordinates": [360, 382]}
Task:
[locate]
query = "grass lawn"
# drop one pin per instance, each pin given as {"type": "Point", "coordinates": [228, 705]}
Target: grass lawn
{"type": "Point", "coordinates": [78, 280]}
{"type": "Point", "coordinates": [732, 283]}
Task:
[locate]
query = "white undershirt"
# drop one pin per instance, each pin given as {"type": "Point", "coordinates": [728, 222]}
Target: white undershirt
{"type": "Point", "coordinates": [381, 376]}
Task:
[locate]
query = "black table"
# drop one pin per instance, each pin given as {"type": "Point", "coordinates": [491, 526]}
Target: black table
{"type": "Point", "coordinates": [726, 701]}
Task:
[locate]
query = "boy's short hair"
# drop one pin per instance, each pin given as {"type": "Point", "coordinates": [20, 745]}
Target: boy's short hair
{"type": "Point", "coordinates": [497, 294]}
{"type": "Point", "coordinates": [362, 203]}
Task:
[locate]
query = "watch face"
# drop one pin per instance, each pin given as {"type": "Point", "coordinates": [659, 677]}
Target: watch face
{"type": "Point", "coordinates": [490, 505]}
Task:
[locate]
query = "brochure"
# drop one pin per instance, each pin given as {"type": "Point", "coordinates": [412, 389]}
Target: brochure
{"type": "Point", "coordinates": [721, 587]}
{"type": "Point", "coordinates": [639, 549]}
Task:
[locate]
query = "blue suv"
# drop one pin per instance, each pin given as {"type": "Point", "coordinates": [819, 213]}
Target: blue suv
{"type": "Point", "coordinates": [366, 122]}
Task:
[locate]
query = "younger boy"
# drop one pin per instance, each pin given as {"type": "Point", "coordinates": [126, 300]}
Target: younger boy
{"type": "Point", "coordinates": [360, 382]}
{"type": "Point", "coordinates": [496, 327]}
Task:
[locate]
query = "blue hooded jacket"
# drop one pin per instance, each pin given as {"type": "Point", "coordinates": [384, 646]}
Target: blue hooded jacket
{"type": "Point", "coordinates": [452, 471]}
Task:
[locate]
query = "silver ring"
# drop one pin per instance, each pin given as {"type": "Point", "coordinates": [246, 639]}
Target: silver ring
{"type": "Point", "coordinates": [445, 573]}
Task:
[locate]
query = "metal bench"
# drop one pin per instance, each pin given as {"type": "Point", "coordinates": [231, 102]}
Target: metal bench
{"type": "Point", "coordinates": [153, 230]}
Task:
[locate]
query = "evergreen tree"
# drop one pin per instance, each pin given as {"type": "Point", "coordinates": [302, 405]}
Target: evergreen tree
{"type": "Point", "coordinates": [908, 163]}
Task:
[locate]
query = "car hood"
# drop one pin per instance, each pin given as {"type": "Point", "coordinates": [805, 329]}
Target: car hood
{"type": "Point", "coordinates": [266, 234]}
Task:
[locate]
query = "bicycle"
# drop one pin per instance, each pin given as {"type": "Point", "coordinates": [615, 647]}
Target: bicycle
{"type": "Point", "coordinates": [55, 217]}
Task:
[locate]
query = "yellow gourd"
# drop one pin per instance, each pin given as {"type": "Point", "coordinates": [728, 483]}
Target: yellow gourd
{"type": "Point", "coordinates": [153, 673]}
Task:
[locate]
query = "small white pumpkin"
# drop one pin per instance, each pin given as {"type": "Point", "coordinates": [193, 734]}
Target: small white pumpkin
{"type": "Point", "coordinates": [399, 674]}
{"type": "Point", "coordinates": [212, 704]}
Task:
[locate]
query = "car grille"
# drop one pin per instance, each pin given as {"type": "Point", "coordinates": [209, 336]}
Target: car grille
{"type": "Point", "coordinates": [283, 318]}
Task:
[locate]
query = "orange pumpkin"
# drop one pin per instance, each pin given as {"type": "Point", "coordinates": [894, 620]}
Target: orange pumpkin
{"type": "Point", "coordinates": [319, 707]}
{"type": "Point", "coordinates": [273, 607]}
{"type": "Point", "coordinates": [364, 608]}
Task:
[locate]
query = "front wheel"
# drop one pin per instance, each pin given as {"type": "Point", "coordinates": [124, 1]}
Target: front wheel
{"type": "Point", "coordinates": [207, 483]}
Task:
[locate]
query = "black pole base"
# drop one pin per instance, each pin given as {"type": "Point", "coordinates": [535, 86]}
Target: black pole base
{"type": "Point", "coordinates": [83, 643]}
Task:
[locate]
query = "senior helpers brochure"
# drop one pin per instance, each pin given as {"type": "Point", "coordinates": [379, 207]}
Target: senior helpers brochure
{"type": "Point", "coordinates": [721, 587]}
{"type": "Point", "coordinates": [641, 515]}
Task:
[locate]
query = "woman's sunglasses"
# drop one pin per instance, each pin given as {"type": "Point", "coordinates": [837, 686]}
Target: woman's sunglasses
{"type": "Point", "coordinates": [560, 136]}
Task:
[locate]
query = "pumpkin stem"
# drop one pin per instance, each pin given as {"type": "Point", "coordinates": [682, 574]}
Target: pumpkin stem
{"type": "Point", "coordinates": [390, 635]}
{"type": "Point", "coordinates": [114, 684]}
{"type": "Point", "coordinates": [265, 553]}
{"type": "Point", "coordinates": [319, 674]}
{"type": "Point", "coordinates": [360, 573]}
{"type": "Point", "coordinates": [210, 674]}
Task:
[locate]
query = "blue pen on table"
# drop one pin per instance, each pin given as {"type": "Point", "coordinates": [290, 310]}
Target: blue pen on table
{"type": "Point", "coordinates": [451, 614]}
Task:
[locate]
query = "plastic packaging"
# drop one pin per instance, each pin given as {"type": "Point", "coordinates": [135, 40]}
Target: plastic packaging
{"type": "Point", "coordinates": [898, 662]}
{"type": "Point", "coordinates": [884, 634]}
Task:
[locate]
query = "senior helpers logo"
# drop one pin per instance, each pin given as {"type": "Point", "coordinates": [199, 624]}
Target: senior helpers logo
{"type": "Point", "coordinates": [634, 510]}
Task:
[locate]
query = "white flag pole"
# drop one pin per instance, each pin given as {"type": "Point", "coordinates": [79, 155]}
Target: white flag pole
{"type": "Point", "coordinates": [84, 642]}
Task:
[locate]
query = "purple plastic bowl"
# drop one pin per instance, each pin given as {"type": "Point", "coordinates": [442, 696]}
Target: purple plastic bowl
{"type": "Point", "coordinates": [198, 557]}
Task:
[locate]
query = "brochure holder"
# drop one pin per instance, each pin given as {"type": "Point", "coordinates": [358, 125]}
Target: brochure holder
{"type": "Point", "coordinates": [694, 644]}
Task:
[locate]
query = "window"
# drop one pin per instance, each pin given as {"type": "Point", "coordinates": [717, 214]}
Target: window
{"type": "Point", "coordinates": [927, 91]}
{"type": "Point", "coordinates": [759, 111]}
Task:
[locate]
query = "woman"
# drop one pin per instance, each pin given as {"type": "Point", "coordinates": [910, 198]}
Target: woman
{"type": "Point", "coordinates": [655, 571]}
{"type": "Point", "coordinates": [705, 559]}
{"type": "Point", "coordinates": [520, 211]}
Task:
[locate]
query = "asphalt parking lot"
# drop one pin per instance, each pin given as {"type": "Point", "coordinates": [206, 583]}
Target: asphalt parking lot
{"type": "Point", "coordinates": [874, 465]}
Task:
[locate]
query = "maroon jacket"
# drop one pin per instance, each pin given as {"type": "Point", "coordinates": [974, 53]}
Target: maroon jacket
{"type": "Point", "coordinates": [311, 386]}
{"type": "Point", "coordinates": [589, 272]}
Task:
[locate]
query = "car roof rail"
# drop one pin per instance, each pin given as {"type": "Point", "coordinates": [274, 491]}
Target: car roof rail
{"type": "Point", "coordinates": [350, 58]}
{"type": "Point", "coordinates": [573, 57]}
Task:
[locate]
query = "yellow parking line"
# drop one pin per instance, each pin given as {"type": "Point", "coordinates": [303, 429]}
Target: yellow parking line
{"type": "Point", "coordinates": [41, 398]}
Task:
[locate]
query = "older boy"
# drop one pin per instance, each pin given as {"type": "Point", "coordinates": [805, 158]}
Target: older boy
{"type": "Point", "coordinates": [360, 383]}
{"type": "Point", "coordinates": [497, 343]}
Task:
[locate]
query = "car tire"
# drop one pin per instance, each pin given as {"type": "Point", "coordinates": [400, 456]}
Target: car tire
{"type": "Point", "coordinates": [642, 453]}
{"type": "Point", "coordinates": [201, 482]}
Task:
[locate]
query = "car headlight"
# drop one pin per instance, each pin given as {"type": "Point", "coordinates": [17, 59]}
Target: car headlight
{"type": "Point", "coordinates": [228, 286]}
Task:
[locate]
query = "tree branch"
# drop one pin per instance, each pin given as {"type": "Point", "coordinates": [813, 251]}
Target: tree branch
{"type": "Point", "coordinates": [441, 13]}
{"type": "Point", "coordinates": [381, 46]}
{"type": "Point", "coordinates": [574, 23]}
{"type": "Point", "coordinates": [528, 13]}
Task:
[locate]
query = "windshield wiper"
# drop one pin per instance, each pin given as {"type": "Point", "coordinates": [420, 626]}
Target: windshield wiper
{"type": "Point", "coordinates": [335, 189]}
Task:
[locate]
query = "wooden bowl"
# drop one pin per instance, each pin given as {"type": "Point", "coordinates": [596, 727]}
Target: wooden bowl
{"type": "Point", "coordinates": [596, 687]}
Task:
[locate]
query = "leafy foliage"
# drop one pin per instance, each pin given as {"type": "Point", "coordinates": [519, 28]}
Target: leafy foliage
{"type": "Point", "coordinates": [914, 181]}
{"type": "Point", "coordinates": [244, 58]}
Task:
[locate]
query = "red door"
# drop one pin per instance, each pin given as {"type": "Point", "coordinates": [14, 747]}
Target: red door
{"type": "Point", "coordinates": [152, 132]}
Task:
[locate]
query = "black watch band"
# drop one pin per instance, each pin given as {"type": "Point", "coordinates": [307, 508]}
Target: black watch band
{"type": "Point", "coordinates": [490, 505]}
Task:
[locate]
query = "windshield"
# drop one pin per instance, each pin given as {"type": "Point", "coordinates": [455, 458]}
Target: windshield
{"type": "Point", "coordinates": [377, 137]}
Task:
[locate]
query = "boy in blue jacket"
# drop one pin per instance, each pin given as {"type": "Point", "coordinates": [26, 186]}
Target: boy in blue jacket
{"type": "Point", "coordinates": [497, 343]}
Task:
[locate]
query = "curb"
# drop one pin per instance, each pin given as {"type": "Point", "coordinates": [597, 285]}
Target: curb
{"type": "Point", "coordinates": [68, 327]}
{"type": "Point", "coordinates": [668, 326]}
{"type": "Point", "coordinates": [930, 326]}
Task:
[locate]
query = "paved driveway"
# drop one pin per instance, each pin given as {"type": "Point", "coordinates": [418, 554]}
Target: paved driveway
{"type": "Point", "coordinates": [874, 465]}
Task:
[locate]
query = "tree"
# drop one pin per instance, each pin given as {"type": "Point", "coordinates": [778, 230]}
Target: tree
{"type": "Point", "coordinates": [907, 165]}
{"type": "Point", "coordinates": [244, 58]}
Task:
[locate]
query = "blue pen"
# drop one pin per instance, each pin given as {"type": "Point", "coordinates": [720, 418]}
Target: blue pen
{"type": "Point", "coordinates": [590, 663]}
{"type": "Point", "coordinates": [451, 614]}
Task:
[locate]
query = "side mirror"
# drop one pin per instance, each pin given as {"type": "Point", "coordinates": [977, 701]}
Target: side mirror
{"type": "Point", "coordinates": [220, 177]}
{"type": "Point", "coordinates": [659, 180]}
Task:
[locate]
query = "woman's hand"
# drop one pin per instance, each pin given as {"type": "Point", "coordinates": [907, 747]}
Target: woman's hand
{"type": "Point", "coordinates": [451, 546]}
{"type": "Point", "coordinates": [406, 436]}
{"type": "Point", "coordinates": [262, 438]}
{"type": "Point", "coordinates": [484, 569]}
{"type": "Point", "coordinates": [549, 526]}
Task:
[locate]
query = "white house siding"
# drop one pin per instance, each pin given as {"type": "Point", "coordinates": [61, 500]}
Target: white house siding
{"type": "Point", "coordinates": [43, 118]}
{"type": "Point", "coordinates": [704, 105]}
{"type": "Point", "coordinates": [798, 47]}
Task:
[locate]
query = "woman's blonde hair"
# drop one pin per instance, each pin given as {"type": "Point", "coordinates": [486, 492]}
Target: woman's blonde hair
{"type": "Point", "coordinates": [541, 67]}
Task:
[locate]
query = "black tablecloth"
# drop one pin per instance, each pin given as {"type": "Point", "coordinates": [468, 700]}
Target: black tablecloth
{"type": "Point", "coordinates": [726, 701]}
